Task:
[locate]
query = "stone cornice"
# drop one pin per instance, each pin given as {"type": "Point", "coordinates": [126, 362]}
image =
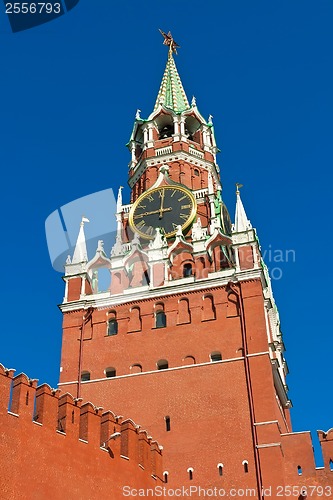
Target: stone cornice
{"type": "Point", "coordinates": [176, 287]}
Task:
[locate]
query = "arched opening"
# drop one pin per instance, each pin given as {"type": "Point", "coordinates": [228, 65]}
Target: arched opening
{"type": "Point", "coordinates": [208, 308]}
{"type": "Point", "coordinates": [192, 126]}
{"type": "Point", "coordinates": [188, 360]}
{"type": "Point", "coordinates": [299, 470]}
{"type": "Point", "coordinates": [196, 172]}
{"type": "Point", "coordinates": [220, 469]}
{"type": "Point", "coordinates": [85, 376]}
{"type": "Point", "coordinates": [331, 465]}
{"type": "Point", "coordinates": [246, 466]}
{"type": "Point", "coordinates": [183, 313]}
{"type": "Point", "coordinates": [216, 356]}
{"type": "Point", "coordinates": [167, 424]}
{"type": "Point", "coordinates": [162, 364]}
{"type": "Point", "coordinates": [187, 270]}
{"type": "Point", "coordinates": [134, 324]}
{"type": "Point", "coordinates": [160, 319]}
{"type": "Point", "coordinates": [110, 372]}
{"type": "Point", "coordinates": [136, 368]}
{"type": "Point", "coordinates": [165, 476]}
{"type": "Point", "coordinates": [112, 326]}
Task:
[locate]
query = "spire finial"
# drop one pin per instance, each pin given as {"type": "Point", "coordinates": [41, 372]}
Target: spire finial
{"type": "Point", "coordinates": [83, 220]}
{"type": "Point", "coordinates": [168, 40]}
{"type": "Point", "coordinates": [238, 186]}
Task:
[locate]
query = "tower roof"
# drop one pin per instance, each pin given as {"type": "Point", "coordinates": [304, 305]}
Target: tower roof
{"type": "Point", "coordinates": [171, 93]}
{"type": "Point", "coordinates": [80, 252]}
{"type": "Point", "coordinates": [242, 223]}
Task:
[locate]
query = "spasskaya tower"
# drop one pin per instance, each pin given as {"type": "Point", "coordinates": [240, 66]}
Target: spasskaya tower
{"type": "Point", "coordinates": [186, 339]}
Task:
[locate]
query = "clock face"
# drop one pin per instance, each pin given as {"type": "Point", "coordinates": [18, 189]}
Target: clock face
{"type": "Point", "coordinates": [166, 207]}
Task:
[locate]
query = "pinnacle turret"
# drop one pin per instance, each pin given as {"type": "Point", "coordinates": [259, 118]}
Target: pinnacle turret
{"type": "Point", "coordinates": [80, 252]}
{"type": "Point", "coordinates": [242, 223]}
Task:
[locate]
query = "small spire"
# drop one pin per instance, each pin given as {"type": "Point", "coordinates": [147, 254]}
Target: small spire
{"type": "Point", "coordinates": [193, 102]}
{"type": "Point", "coordinates": [210, 120]}
{"type": "Point", "coordinates": [137, 114]}
{"type": "Point", "coordinates": [120, 199]}
{"type": "Point", "coordinates": [80, 252]}
{"type": "Point", "coordinates": [171, 93]}
{"type": "Point", "coordinates": [242, 223]}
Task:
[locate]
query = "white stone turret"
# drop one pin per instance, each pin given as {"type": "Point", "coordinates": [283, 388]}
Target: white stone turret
{"type": "Point", "coordinates": [242, 223]}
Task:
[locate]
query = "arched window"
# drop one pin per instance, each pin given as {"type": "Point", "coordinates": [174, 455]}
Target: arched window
{"type": "Point", "coordinates": [232, 306]}
{"type": "Point", "coordinates": [220, 469]}
{"type": "Point", "coordinates": [245, 464]}
{"type": "Point", "coordinates": [160, 319]}
{"type": "Point", "coordinates": [299, 470]}
{"type": "Point", "coordinates": [196, 172]}
{"type": "Point", "coordinates": [165, 476]}
{"type": "Point", "coordinates": [112, 327]}
{"type": "Point", "coordinates": [85, 376]}
{"type": "Point", "coordinates": [208, 308]}
{"type": "Point", "coordinates": [162, 364]}
{"type": "Point", "coordinates": [190, 473]}
{"type": "Point", "coordinates": [166, 131]}
{"type": "Point", "coordinates": [331, 465]}
{"type": "Point", "coordinates": [188, 360]}
{"type": "Point", "coordinates": [136, 368]}
{"type": "Point", "coordinates": [167, 424]}
{"type": "Point", "coordinates": [134, 324]}
{"type": "Point", "coordinates": [216, 356]}
{"type": "Point", "coordinates": [187, 270]}
{"type": "Point", "coordinates": [183, 313]}
{"type": "Point", "coordinates": [110, 372]}
{"type": "Point", "coordinates": [112, 323]}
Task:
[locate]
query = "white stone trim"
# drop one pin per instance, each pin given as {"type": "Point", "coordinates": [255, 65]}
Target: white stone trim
{"type": "Point", "coordinates": [215, 280]}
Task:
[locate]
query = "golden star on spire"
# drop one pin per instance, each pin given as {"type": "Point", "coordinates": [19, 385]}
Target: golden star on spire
{"type": "Point", "coordinates": [168, 40]}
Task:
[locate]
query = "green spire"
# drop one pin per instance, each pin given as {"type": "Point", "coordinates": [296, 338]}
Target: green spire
{"type": "Point", "coordinates": [172, 94]}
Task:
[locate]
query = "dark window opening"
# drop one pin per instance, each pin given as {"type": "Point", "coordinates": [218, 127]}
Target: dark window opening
{"type": "Point", "coordinates": [196, 172]}
{"type": "Point", "coordinates": [331, 465]}
{"type": "Point", "coordinates": [299, 470]}
{"type": "Point", "coordinates": [112, 327]}
{"type": "Point", "coordinates": [165, 475]}
{"type": "Point", "coordinates": [216, 356]}
{"type": "Point", "coordinates": [160, 319]}
{"type": "Point", "coordinates": [246, 467]}
{"type": "Point", "coordinates": [187, 270]}
{"type": "Point", "coordinates": [162, 364]}
{"type": "Point", "coordinates": [110, 372]}
{"type": "Point", "coordinates": [166, 131]}
{"type": "Point", "coordinates": [220, 470]}
{"type": "Point", "coordinates": [167, 424]}
{"type": "Point", "coordinates": [85, 376]}
{"type": "Point", "coordinates": [190, 474]}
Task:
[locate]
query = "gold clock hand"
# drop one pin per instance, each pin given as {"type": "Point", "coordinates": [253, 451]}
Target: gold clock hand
{"type": "Point", "coordinates": [152, 212]}
{"type": "Point", "coordinates": [161, 207]}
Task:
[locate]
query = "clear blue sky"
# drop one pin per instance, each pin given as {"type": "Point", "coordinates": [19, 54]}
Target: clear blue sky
{"type": "Point", "coordinates": [70, 89]}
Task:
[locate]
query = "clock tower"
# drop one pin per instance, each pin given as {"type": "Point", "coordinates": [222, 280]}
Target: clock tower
{"type": "Point", "coordinates": [186, 338]}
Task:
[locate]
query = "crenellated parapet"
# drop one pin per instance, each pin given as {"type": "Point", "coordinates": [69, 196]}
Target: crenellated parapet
{"type": "Point", "coordinates": [42, 419]}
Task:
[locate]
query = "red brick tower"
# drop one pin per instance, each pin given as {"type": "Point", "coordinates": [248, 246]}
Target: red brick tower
{"type": "Point", "coordinates": [187, 337]}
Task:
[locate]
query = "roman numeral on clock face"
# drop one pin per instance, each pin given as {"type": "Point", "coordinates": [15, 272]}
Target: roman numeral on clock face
{"type": "Point", "coordinates": [183, 207]}
{"type": "Point", "coordinates": [150, 231]}
{"type": "Point", "coordinates": [140, 224]}
{"type": "Point", "coordinates": [182, 197]}
{"type": "Point", "coordinates": [183, 216]}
